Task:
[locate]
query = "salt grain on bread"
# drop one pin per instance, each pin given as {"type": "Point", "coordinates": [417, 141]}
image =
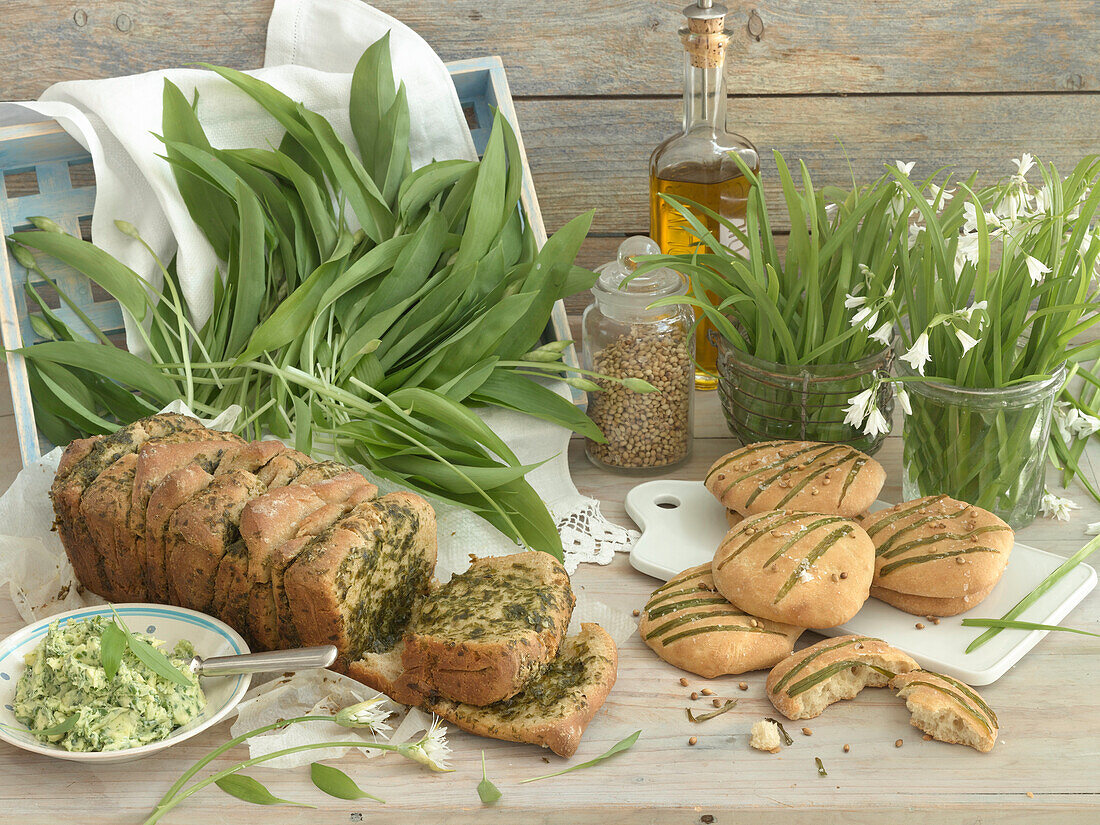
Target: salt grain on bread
{"type": "Point", "coordinates": [690, 625]}
{"type": "Point", "coordinates": [811, 679]}
{"type": "Point", "coordinates": [807, 475]}
{"type": "Point", "coordinates": [765, 736]}
{"type": "Point", "coordinates": [804, 569]}
{"type": "Point", "coordinates": [937, 548]}
{"type": "Point", "coordinates": [947, 709]}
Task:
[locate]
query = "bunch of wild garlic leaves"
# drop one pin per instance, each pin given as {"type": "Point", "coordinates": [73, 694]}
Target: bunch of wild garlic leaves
{"type": "Point", "coordinates": [373, 343]}
{"type": "Point", "coordinates": [790, 308]}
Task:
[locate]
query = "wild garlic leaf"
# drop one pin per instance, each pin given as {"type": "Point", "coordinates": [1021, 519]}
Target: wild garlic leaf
{"type": "Point", "coordinates": [112, 644]}
{"type": "Point", "coordinates": [1018, 625]}
{"type": "Point", "coordinates": [335, 782]}
{"type": "Point", "coordinates": [247, 789]}
{"type": "Point", "coordinates": [59, 728]}
{"type": "Point", "coordinates": [490, 794]}
{"type": "Point", "coordinates": [618, 747]}
{"type": "Point", "coordinates": [152, 658]}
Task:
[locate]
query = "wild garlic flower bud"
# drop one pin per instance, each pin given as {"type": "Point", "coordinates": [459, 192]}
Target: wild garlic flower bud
{"type": "Point", "coordinates": [369, 714]}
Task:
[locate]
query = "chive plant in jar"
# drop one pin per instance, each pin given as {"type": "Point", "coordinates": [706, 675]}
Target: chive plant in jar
{"type": "Point", "coordinates": [790, 353]}
{"type": "Point", "coordinates": [994, 285]}
{"type": "Point", "coordinates": [628, 339]}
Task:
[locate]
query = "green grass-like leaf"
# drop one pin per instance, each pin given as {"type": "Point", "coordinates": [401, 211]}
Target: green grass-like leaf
{"type": "Point", "coordinates": [618, 747]}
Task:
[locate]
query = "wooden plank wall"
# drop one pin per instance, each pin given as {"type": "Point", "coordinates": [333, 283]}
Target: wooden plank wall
{"type": "Point", "coordinates": [847, 85]}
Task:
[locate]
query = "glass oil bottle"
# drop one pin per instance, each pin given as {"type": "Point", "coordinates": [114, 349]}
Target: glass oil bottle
{"type": "Point", "coordinates": [697, 162]}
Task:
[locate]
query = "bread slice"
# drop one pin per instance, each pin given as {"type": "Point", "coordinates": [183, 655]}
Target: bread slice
{"type": "Point", "coordinates": [554, 709]}
{"type": "Point", "coordinates": [947, 709]}
{"type": "Point", "coordinates": [81, 464]}
{"type": "Point", "coordinates": [200, 533]}
{"type": "Point", "coordinates": [489, 631]}
{"type": "Point", "coordinates": [355, 585]}
{"type": "Point", "coordinates": [105, 509]}
{"type": "Point", "coordinates": [252, 457]}
{"type": "Point", "coordinates": [811, 679]}
{"type": "Point", "coordinates": [176, 489]}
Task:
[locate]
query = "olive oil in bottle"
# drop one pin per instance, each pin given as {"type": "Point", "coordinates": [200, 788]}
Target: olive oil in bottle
{"type": "Point", "coordinates": [697, 163]}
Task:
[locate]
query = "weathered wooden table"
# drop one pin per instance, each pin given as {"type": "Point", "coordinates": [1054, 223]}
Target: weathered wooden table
{"type": "Point", "coordinates": [1048, 705]}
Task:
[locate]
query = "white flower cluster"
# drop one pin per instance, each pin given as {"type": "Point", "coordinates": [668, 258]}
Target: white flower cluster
{"type": "Point", "coordinates": [1056, 507]}
{"type": "Point", "coordinates": [1072, 423]}
{"type": "Point", "coordinates": [918, 356]}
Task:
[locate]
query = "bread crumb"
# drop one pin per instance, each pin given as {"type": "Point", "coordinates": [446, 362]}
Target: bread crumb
{"type": "Point", "coordinates": [683, 681]}
{"type": "Point", "coordinates": [1030, 795]}
{"type": "Point", "coordinates": [765, 736]}
{"type": "Point", "coordinates": [899, 743]}
{"type": "Point", "coordinates": [847, 748]}
{"type": "Point", "coordinates": [807, 732]}
{"type": "Point", "coordinates": [707, 692]}
{"type": "Point", "coordinates": [693, 740]}
{"type": "Point", "coordinates": [743, 685]}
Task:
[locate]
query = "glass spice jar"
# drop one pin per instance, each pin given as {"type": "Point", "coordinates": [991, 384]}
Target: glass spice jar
{"type": "Point", "coordinates": [624, 337]}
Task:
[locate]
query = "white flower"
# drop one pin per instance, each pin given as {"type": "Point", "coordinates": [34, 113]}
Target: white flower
{"type": "Point", "coordinates": [884, 334]}
{"type": "Point", "coordinates": [1093, 529]}
{"type": "Point", "coordinates": [914, 232]}
{"type": "Point", "coordinates": [1036, 269]}
{"type": "Point", "coordinates": [970, 213]}
{"type": "Point", "coordinates": [831, 209]}
{"type": "Point", "coordinates": [939, 193]}
{"type": "Point", "coordinates": [432, 749]}
{"type": "Point", "coordinates": [966, 251]}
{"type": "Point", "coordinates": [968, 343]}
{"type": "Point", "coordinates": [918, 355]}
{"type": "Point", "coordinates": [968, 313]}
{"type": "Point", "coordinates": [889, 293]}
{"type": "Point", "coordinates": [1084, 425]}
{"type": "Point", "coordinates": [1024, 164]}
{"type": "Point", "coordinates": [1055, 507]}
{"type": "Point", "coordinates": [858, 407]}
{"type": "Point", "coordinates": [903, 399]}
{"type": "Point", "coordinates": [1043, 203]}
{"type": "Point", "coordinates": [866, 317]}
{"type": "Point", "coordinates": [368, 714]}
{"type": "Point", "coordinates": [905, 168]}
{"type": "Point", "coordinates": [853, 301]}
{"type": "Point", "coordinates": [876, 423]}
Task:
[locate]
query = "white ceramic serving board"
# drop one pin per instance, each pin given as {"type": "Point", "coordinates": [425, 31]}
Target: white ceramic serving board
{"type": "Point", "coordinates": [683, 524]}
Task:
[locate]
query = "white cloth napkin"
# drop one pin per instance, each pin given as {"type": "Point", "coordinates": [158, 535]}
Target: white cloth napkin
{"type": "Point", "coordinates": [312, 46]}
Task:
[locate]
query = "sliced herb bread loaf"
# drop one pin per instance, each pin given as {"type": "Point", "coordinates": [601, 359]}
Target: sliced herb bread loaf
{"type": "Point", "coordinates": [485, 634]}
{"type": "Point", "coordinates": [355, 585]}
{"type": "Point", "coordinates": [555, 708]}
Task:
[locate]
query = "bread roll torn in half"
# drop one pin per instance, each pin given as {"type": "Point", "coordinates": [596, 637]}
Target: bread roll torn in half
{"type": "Point", "coordinates": [811, 679]}
{"type": "Point", "coordinates": [947, 709]}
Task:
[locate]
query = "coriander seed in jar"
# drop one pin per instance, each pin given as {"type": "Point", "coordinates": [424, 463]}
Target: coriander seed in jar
{"type": "Point", "coordinates": [624, 336]}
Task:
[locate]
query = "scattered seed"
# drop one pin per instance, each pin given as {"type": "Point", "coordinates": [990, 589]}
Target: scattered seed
{"type": "Point", "coordinates": [707, 692]}
{"type": "Point", "coordinates": [935, 621]}
{"type": "Point", "coordinates": [716, 702]}
{"type": "Point", "coordinates": [847, 748]}
{"type": "Point", "coordinates": [927, 737]}
{"type": "Point", "coordinates": [820, 767]}
{"type": "Point", "coordinates": [920, 626]}
{"type": "Point", "coordinates": [683, 681]}
{"type": "Point", "coordinates": [693, 740]}
{"type": "Point", "coordinates": [637, 612]}
{"type": "Point", "coordinates": [843, 575]}
{"type": "Point", "coordinates": [834, 577]}
{"type": "Point", "coordinates": [706, 819]}
{"type": "Point", "coordinates": [960, 560]}
{"type": "Point", "coordinates": [899, 743]}
{"type": "Point", "coordinates": [694, 695]}
{"type": "Point", "coordinates": [743, 685]}
{"type": "Point", "coordinates": [807, 732]}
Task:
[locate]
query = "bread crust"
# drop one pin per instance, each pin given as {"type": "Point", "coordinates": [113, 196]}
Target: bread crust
{"type": "Point", "coordinates": [803, 569]}
{"type": "Point", "coordinates": [489, 631]}
{"type": "Point", "coordinates": [708, 635]}
{"type": "Point", "coordinates": [929, 605]}
{"type": "Point", "coordinates": [947, 709]}
{"type": "Point", "coordinates": [176, 489]}
{"type": "Point", "coordinates": [553, 711]}
{"type": "Point", "coordinates": [105, 507]}
{"type": "Point", "coordinates": [939, 547]}
{"type": "Point", "coordinates": [853, 658]}
{"type": "Point", "coordinates": [796, 475]}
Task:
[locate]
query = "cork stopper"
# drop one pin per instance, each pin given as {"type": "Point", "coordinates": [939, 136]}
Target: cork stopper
{"type": "Point", "coordinates": [705, 37]}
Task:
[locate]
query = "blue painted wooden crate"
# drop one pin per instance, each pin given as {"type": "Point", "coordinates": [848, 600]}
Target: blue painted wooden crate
{"type": "Point", "coordinates": [44, 149]}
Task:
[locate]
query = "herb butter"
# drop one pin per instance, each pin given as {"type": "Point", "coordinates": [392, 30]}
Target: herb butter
{"type": "Point", "coordinates": [65, 676]}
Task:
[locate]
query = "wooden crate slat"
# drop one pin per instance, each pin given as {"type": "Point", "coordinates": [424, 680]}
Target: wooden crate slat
{"type": "Point", "coordinates": [48, 151]}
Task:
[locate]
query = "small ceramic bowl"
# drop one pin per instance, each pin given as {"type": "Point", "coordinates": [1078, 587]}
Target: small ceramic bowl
{"type": "Point", "coordinates": [209, 636]}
